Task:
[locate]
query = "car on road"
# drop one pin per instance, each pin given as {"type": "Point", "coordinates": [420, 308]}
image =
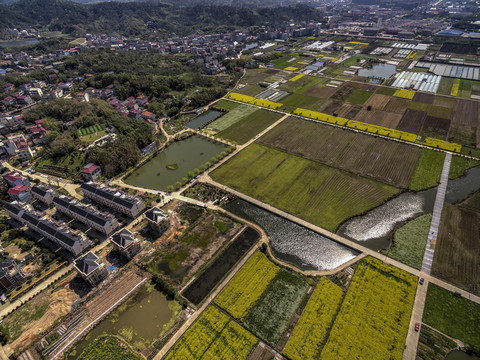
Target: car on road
{"type": "Point", "coordinates": [417, 326]}
{"type": "Point", "coordinates": [421, 281]}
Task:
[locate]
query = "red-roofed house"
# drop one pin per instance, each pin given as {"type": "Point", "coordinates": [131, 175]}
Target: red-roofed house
{"type": "Point", "coordinates": [91, 172]}
{"type": "Point", "coordinates": [22, 149]}
{"type": "Point", "coordinates": [15, 178]}
{"type": "Point", "coordinates": [20, 193]}
{"type": "Point", "coordinates": [142, 100]}
{"type": "Point", "coordinates": [82, 97]}
{"type": "Point", "coordinates": [148, 115]}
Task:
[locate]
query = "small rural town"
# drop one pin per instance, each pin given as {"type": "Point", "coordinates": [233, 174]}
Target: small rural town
{"type": "Point", "coordinates": [253, 181]}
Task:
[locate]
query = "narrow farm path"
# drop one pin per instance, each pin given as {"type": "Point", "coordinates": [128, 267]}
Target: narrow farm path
{"type": "Point", "coordinates": [437, 213]}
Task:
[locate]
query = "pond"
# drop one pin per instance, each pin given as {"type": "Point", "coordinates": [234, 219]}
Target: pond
{"type": "Point", "coordinates": [204, 119]}
{"type": "Point", "coordinates": [373, 229]}
{"type": "Point", "coordinates": [181, 157]}
{"type": "Point", "coordinates": [7, 44]}
{"type": "Point", "coordinates": [381, 71]}
{"type": "Point", "coordinates": [139, 321]}
{"type": "Point", "coordinates": [293, 243]}
{"type": "Point", "coordinates": [460, 355]}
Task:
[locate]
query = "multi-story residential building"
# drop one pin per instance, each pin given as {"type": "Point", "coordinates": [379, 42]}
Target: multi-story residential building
{"type": "Point", "coordinates": [90, 216]}
{"type": "Point", "coordinates": [91, 172]}
{"type": "Point", "coordinates": [158, 220]}
{"type": "Point", "coordinates": [15, 178]}
{"type": "Point", "coordinates": [52, 230]}
{"type": "Point", "coordinates": [22, 150]}
{"type": "Point", "coordinates": [114, 199]}
{"type": "Point", "coordinates": [43, 193]}
{"type": "Point", "coordinates": [20, 193]}
{"type": "Point", "coordinates": [91, 268]}
{"type": "Point", "coordinates": [126, 243]}
{"type": "Point", "coordinates": [10, 274]}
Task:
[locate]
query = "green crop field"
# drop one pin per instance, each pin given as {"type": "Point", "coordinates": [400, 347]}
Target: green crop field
{"type": "Point", "coordinates": [226, 105]}
{"type": "Point", "coordinates": [238, 113]}
{"type": "Point", "coordinates": [409, 242]}
{"type": "Point", "coordinates": [459, 165]}
{"type": "Point", "coordinates": [269, 318]}
{"type": "Point", "coordinates": [359, 97]}
{"type": "Point", "coordinates": [108, 347]}
{"type": "Point", "coordinates": [373, 319]}
{"type": "Point", "coordinates": [214, 336]}
{"type": "Point", "coordinates": [454, 316]}
{"type": "Point", "coordinates": [312, 329]}
{"type": "Point", "coordinates": [245, 129]}
{"type": "Point", "coordinates": [418, 106]}
{"type": "Point", "coordinates": [386, 161]}
{"type": "Point", "coordinates": [91, 130]}
{"type": "Point", "coordinates": [295, 100]}
{"type": "Point", "coordinates": [317, 193]}
{"type": "Point", "coordinates": [241, 293]}
{"type": "Point", "coordinates": [428, 171]}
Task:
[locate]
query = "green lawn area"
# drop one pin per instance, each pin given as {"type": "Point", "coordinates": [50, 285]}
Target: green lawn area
{"type": "Point", "coordinates": [95, 136]}
{"type": "Point", "coordinates": [385, 91]}
{"type": "Point", "coordinates": [454, 316]}
{"type": "Point", "coordinates": [317, 193]}
{"type": "Point", "coordinates": [269, 318]}
{"type": "Point", "coordinates": [238, 113]}
{"type": "Point", "coordinates": [459, 165]}
{"type": "Point", "coordinates": [409, 242]}
{"type": "Point", "coordinates": [359, 96]}
{"type": "Point", "coordinates": [428, 171]}
{"type": "Point", "coordinates": [418, 106]}
{"type": "Point", "coordinates": [245, 129]}
{"type": "Point", "coordinates": [226, 105]}
{"type": "Point", "coordinates": [91, 129]}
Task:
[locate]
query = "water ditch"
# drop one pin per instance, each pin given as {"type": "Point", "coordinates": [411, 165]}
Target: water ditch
{"type": "Point", "coordinates": [373, 230]}
{"type": "Point", "coordinates": [295, 244]}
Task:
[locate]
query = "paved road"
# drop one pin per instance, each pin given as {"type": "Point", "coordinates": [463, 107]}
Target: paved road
{"type": "Point", "coordinates": [437, 213]}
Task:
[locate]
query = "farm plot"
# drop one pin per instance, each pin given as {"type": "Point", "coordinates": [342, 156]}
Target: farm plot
{"type": "Point", "coordinates": [348, 111]}
{"type": "Point", "coordinates": [213, 336]}
{"type": "Point", "coordinates": [331, 106]}
{"type": "Point", "coordinates": [440, 111]}
{"type": "Point", "coordinates": [454, 316]}
{"type": "Point", "coordinates": [415, 105]}
{"type": "Point", "coordinates": [270, 317]}
{"type": "Point", "coordinates": [233, 116]}
{"type": "Point", "coordinates": [462, 134]}
{"type": "Point", "coordinates": [374, 316]}
{"type": "Point", "coordinates": [435, 127]}
{"type": "Point", "coordinates": [385, 91]}
{"type": "Point", "coordinates": [359, 96]}
{"type": "Point", "coordinates": [302, 85]}
{"type": "Point", "coordinates": [456, 256]}
{"type": "Point", "coordinates": [396, 105]}
{"type": "Point", "coordinates": [91, 130]}
{"type": "Point", "coordinates": [298, 100]}
{"type": "Point", "coordinates": [424, 98]}
{"type": "Point", "coordinates": [387, 161]}
{"type": "Point", "coordinates": [225, 105]}
{"type": "Point", "coordinates": [444, 102]}
{"type": "Point", "coordinates": [312, 329]}
{"type": "Point", "coordinates": [243, 291]}
{"type": "Point", "coordinates": [465, 113]}
{"type": "Point", "coordinates": [412, 121]}
{"type": "Point", "coordinates": [248, 127]}
{"type": "Point", "coordinates": [314, 192]}
{"type": "Point", "coordinates": [380, 118]}
{"type": "Point", "coordinates": [321, 92]}
{"type": "Point", "coordinates": [207, 281]}
{"type": "Point", "coordinates": [428, 170]}
{"type": "Point", "coordinates": [378, 101]}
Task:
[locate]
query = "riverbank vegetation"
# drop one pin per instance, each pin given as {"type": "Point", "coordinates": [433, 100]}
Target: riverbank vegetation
{"type": "Point", "coordinates": [453, 315]}
{"type": "Point", "coordinates": [109, 347]}
{"type": "Point", "coordinates": [409, 242]}
{"type": "Point", "coordinates": [428, 170]}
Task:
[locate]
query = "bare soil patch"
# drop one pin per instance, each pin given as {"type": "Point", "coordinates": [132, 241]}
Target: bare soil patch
{"type": "Point", "coordinates": [424, 98]}
{"type": "Point", "coordinates": [466, 135]}
{"type": "Point", "coordinates": [378, 101]}
{"type": "Point", "coordinates": [436, 127]}
{"type": "Point", "coordinates": [412, 121]}
{"type": "Point", "coordinates": [396, 105]}
{"type": "Point", "coordinates": [465, 113]}
{"type": "Point", "coordinates": [321, 92]}
{"type": "Point", "coordinates": [378, 117]}
{"type": "Point", "coordinates": [331, 106]}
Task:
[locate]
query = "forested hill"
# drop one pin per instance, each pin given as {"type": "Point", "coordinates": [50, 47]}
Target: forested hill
{"type": "Point", "coordinates": [130, 18]}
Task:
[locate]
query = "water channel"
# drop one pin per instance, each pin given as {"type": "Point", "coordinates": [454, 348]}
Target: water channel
{"type": "Point", "coordinates": [185, 155]}
{"type": "Point", "coordinates": [460, 355]}
{"type": "Point", "coordinates": [293, 243]}
{"type": "Point", "coordinates": [373, 229]}
{"type": "Point", "coordinates": [379, 71]}
{"type": "Point", "coordinates": [142, 317]}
